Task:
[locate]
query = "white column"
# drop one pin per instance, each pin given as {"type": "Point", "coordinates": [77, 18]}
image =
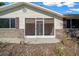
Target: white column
{"type": "Point", "coordinates": [43, 26]}
{"type": "Point", "coordinates": [54, 27]}
{"type": "Point", "coordinates": [35, 27]}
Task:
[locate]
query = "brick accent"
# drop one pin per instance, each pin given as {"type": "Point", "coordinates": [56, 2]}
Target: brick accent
{"type": "Point", "coordinates": [60, 34]}
{"type": "Point", "coordinates": [17, 22]}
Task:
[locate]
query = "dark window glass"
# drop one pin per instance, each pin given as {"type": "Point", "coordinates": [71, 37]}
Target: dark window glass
{"type": "Point", "coordinates": [68, 24]}
{"type": "Point", "coordinates": [4, 23]}
{"type": "Point", "coordinates": [72, 23]}
{"type": "Point", "coordinates": [75, 23]}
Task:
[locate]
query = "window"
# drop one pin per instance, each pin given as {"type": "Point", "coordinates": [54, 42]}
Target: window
{"type": "Point", "coordinates": [72, 23]}
{"type": "Point", "coordinates": [49, 26]}
{"type": "Point", "coordinates": [7, 23]}
{"type": "Point", "coordinates": [30, 26]}
{"type": "Point", "coordinates": [75, 23]}
{"type": "Point", "coordinates": [12, 23]}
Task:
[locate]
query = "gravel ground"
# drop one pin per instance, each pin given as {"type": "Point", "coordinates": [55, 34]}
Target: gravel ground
{"type": "Point", "coordinates": [9, 49]}
{"type": "Point", "coordinates": [26, 50]}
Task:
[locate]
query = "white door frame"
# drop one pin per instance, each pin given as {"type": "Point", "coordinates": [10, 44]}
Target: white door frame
{"type": "Point", "coordinates": [36, 27]}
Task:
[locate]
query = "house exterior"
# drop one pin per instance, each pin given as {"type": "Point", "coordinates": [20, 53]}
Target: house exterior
{"type": "Point", "coordinates": [29, 23]}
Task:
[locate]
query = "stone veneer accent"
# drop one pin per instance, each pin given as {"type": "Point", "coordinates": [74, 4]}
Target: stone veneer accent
{"type": "Point", "coordinates": [17, 35]}
{"type": "Point", "coordinates": [11, 35]}
{"type": "Point", "coordinates": [60, 34]}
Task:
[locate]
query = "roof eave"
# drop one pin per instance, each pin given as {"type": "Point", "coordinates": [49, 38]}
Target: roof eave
{"type": "Point", "coordinates": [6, 7]}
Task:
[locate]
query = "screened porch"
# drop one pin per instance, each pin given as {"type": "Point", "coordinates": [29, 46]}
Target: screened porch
{"type": "Point", "coordinates": [39, 27]}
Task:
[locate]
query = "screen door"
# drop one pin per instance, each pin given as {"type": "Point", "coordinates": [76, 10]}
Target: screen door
{"type": "Point", "coordinates": [39, 27]}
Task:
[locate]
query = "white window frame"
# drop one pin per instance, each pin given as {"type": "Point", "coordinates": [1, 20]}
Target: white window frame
{"type": "Point", "coordinates": [41, 36]}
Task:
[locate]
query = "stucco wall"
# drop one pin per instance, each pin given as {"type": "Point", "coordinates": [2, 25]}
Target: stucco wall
{"type": "Point", "coordinates": [58, 23]}
{"type": "Point", "coordinates": [59, 28]}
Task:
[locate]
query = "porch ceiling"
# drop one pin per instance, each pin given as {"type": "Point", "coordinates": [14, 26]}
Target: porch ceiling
{"type": "Point", "coordinates": [71, 16]}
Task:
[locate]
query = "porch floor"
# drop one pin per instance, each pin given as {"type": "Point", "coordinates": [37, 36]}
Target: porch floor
{"type": "Point", "coordinates": [41, 40]}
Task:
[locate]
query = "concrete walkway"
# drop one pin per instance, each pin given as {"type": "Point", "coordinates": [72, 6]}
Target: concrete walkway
{"type": "Point", "coordinates": [41, 41]}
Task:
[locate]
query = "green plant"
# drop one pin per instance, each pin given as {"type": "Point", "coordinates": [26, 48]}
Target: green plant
{"type": "Point", "coordinates": [59, 49]}
{"type": "Point", "coordinates": [66, 38]}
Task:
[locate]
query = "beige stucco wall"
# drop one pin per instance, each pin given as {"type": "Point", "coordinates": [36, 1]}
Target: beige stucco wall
{"type": "Point", "coordinates": [58, 23]}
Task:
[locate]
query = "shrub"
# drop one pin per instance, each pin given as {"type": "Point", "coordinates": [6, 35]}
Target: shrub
{"type": "Point", "coordinates": [59, 49]}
